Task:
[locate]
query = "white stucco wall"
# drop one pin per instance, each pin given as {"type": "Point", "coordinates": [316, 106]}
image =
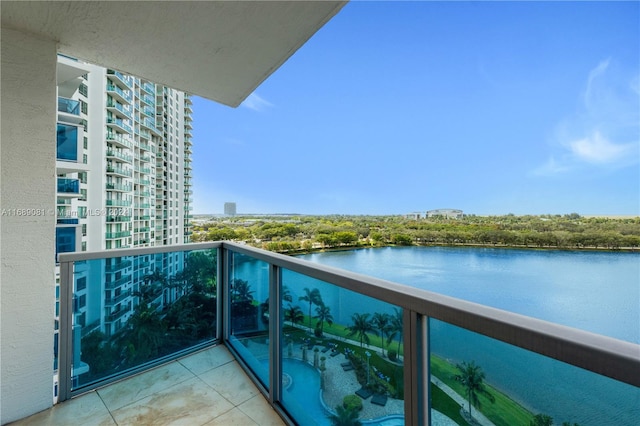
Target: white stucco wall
{"type": "Point", "coordinates": [27, 169]}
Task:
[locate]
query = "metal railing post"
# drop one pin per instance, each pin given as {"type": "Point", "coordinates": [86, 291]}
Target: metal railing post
{"type": "Point", "coordinates": [275, 324]}
{"type": "Point", "coordinates": [65, 331]}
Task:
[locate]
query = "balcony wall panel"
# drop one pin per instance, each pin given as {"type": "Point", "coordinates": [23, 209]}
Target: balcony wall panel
{"type": "Point", "coordinates": [28, 152]}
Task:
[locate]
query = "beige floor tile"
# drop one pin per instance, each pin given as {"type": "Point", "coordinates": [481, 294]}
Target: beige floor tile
{"type": "Point", "coordinates": [231, 382]}
{"type": "Point", "coordinates": [233, 418]}
{"type": "Point", "coordinates": [87, 410]}
{"type": "Point", "coordinates": [138, 387]}
{"type": "Point", "coordinates": [206, 360]}
{"type": "Point", "coordinates": [189, 403]}
{"type": "Point", "coordinates": [261, 412]}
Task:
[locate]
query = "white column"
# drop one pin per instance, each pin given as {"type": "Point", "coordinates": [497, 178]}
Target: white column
{"type": "Point", "coordinates": [27, 224]}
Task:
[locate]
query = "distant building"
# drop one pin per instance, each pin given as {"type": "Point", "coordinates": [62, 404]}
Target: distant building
{"type": "Point", "coordinates": [414, 215]}
{"type": "Point", "coordinates": [448, 213]}
{"type": "Point", "coordinates": [230, 209]}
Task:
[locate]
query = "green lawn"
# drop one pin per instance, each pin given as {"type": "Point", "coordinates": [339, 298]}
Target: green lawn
{"type": "Point", "coordinates": [504, 412]}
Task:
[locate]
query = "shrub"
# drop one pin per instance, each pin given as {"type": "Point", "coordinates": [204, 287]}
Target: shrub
{"type": "Point", "coordinates": [392, 354]}
{"type": "Point", "coordinates": [352, 403]}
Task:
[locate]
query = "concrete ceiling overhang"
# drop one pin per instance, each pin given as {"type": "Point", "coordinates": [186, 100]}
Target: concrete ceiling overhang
{"type": "Point", "coordinates": [220, 50]}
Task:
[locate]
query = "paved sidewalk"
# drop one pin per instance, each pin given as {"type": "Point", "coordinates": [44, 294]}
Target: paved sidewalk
{"type": "Point", "coordinates": [477, 416]}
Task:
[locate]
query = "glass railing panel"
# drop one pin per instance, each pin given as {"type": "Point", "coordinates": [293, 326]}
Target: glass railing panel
{"type": "Point", "coordinates": [137, 310]}
{"type": "Point", "coordinates": [67, 142]}
{"type": "Point", "coordinates": [66, 239]}
{"type": "Point", "coordinates": [69, 106]}
{"type": "Point", "coordinates": [68, 186]}
{"type": "Point", "coordinates": [517, 384]}
{"type": "Point", "coordinates": [342, 353]}
{"type": "Point", "coordinates": [249, 312]}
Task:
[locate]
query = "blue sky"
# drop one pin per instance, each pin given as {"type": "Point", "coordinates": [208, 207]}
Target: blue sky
{"type": "Point", "coordinates": [396, 107]}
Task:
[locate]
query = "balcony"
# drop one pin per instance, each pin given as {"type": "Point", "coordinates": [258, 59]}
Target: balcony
{"type": "Point", "coordinates": [123, 96]}
{"type": "Point", "coordinates": [118, 203]}
{"type": "Point", "coordinates": [68, 106]}
{"type": "Point", "coordinates": [119, 140]}
{"type": "Point", "coordinates": [118, 109]}
{"type": "Point", "coordinates": [119, 124]}
{"type": "Point", "coordinates": [116, 235]}
{"type": "Point", "coordinates": [67, 142]}
{"type": "Point", "coordinates": [68, 187]}
{"type": "Point", "coordinates": [230, 286]}
{"type": "Point", "coordinates": [110, 285]}
{"type": "Point", "coordinates": [119, 155]}
{"type": "Point", "coordinates": [119, 171]}
{"type": "Point", "coordinates": [204, 387]}
{"type": "Point", "coordinates": [125, 80]}
{"type": "Point", "coordinates": [121, 187]}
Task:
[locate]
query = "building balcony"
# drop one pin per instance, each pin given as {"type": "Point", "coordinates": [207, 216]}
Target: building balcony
{"type": "Point", "coordinates": [116, 92]}
{"type": "Point", "coordinates": [118, 219]}
{"type": "Point", "coordinates": [119, 124]}
{"type": "Point", "coordinates": [68, 187]}
{"type": "Point", "coordinates": [118, 77]}
{"type": "Point", "coordinates": [287, 362]}
{"type": "Point", "coordinates": [116, 235]}
{"type": "Point", "coordinates": [110, 301]}
{"type": "Point", "coordinates": [68, 142]}
{"type": "Point", "coordinates": [118, 109]}
{"type": "Point", "coordinates": [68, 106]}
{"type": "Point", "coordinates": [118, 139]}
{"type": "Point", "coordinates": [118, 203]}
{"type": "Point", "coordinates": [121, 187]}
{"type": "Point", "coordinates": [119, 171]}
{"type": "Point", "coordinates": [110, 285]}
{"type": "Point", "coordinates": [117, 314]}
{"type": "Point", "coordinates": [114, 267]}
{"type": "Point", "coordinates": [119, 155]}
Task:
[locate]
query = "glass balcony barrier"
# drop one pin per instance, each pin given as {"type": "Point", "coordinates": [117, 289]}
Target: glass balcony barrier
{"type": "Point", "coordinates": [69, 106]}
{"type": "Point", "coordinates": [127, 80]}
{"type": "Point", "coordinates": [67, 142]}
{"type": "Point", "coordinates": [119, 155]}
{"type": "Point", "coordinates": [139, 319]}
{"type": "Point", "coordinates": [68, 186]}
{"type": "Point", "coordinates": [324, 344]}
{"type": "Point", "coordinates": [120, 123]}
{"type": "Point", "coordinates": [124, 95]}
{"type": "Point", "coordinates": [126, 111]}
{"type": "Point", "coordinates": [119, 139]}
{"type": "Point", "coordinates": [119, 186]}
{"type": "Point", "coordinates": [118, 203]}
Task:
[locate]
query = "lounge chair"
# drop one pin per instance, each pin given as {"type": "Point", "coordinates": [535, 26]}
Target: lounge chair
{"type": "Point", "coordinates": [364, 393]}
{"type": "Point", "coordinates": [379, 399]}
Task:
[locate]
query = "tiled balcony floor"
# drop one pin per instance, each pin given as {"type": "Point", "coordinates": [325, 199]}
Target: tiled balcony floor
{"type": "Point", "coordinates": [206, 388]}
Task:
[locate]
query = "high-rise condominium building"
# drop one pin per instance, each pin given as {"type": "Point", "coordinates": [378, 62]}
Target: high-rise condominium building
{"type": "Point", "coordinates": [230, 209]}
{"type": "Point", "coordinates": [123, 169]}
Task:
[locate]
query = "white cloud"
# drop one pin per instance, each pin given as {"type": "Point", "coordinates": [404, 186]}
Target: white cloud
{"type": "Point", "coordinates": [256, 103]}
{"type": "Point", "coordinates": [594, 74]}
{"type": "Point", "coordinates": [604, 131]}
{"type": "Point", "coordinates": [597, 149]}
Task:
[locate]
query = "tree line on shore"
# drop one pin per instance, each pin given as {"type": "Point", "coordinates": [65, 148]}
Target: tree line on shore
{"type": "Point", "coordinates": [306, 233]}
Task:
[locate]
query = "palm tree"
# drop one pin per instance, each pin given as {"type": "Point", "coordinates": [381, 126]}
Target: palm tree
{"type": "Point", "coordinates": [381, 321]}
{"type": "Point", "coordinates": [324, 315]}
{"type": "Point", "coordinates": [395, 328]}
{"type": "Point", "coordinates": [313, 297]}
{"type": "Point", "coordinates": [293, 314]}
{"type": "Point", "coordinates": [361, 326]}
{"type": "Point", "coordinates": [471, 376]}
{"type": "Point", "coordinates": [241, 291]}
{"type": "Point", "coordinates": [344, 417]}
{"type": "Point", "coordinates": [286, 294]}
